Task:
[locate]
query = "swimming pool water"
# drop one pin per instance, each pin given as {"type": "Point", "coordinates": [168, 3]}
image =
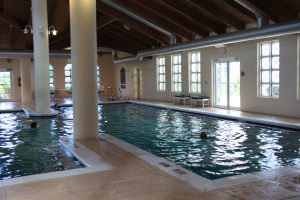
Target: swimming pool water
{"type": "Point", "coordinates": [27, 151]}
{"type": "Point", "coordinates": [232, 148]}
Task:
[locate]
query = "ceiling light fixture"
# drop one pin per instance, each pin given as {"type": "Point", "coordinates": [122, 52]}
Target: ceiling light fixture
{"type": "Point", "coordinates": [27, 29]}
{"type": "Point", "coordinates": [51, 30]}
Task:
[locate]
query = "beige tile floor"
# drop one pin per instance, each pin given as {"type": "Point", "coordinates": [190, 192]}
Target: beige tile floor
{"type": "Point", "coordinates": [133, 178]}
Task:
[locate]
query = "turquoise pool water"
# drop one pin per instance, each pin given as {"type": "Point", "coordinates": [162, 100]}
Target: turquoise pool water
{"type": "Point", "coordinates": [27, 151]}
{"type": "Point", "coordinates": [233, 148]}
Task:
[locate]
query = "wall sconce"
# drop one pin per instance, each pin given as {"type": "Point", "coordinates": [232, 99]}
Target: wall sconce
{"type": "Point", "coordinates": [27, 29]}
{"type": "Point", "coordinates": [52, 31]}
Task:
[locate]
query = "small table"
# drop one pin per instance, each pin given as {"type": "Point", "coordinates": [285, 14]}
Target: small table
{"type": "Point", "coordinates": [203, 100]}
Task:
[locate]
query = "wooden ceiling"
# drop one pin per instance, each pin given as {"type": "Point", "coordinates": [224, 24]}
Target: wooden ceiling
{"type": "Point", "coordinates": [187, 19]}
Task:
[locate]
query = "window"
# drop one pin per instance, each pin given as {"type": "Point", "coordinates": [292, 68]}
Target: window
{"type": "Point", "coordinates": [51, 76]}
{"type": "Point", "coordinates": [5, 85]}
{"type": "Point", "coordinates": [98, 77]}
{"type": "Point", "coordinates": [176, 73]}
{"type": "Point", "coordinates": [123, 78]}
{"type": "Point", "coordinates": [269, 69]}
{"type": "Point", "coordinates": [195, 72]}
{"type": "Point", "coordinates": [68, 76]}
{"type": "Point", "coordinates": [161, 74]}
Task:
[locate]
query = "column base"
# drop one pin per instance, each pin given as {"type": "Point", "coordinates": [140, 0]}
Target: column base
{"type": "Point", "coordinates": [32, 113]}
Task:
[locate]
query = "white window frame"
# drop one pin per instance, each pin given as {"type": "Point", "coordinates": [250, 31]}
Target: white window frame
{"type": "Point", "coordinates": [11, 85]}
{"type": "Point", "coordinates": [68, 67]}
{"type": "Point", "coordinates": [196, 73]}
{"type": "Point", "coordinates": [161, 72]}
{"type": "Point", "coordinates": [178, 80]}
{"type": "Point", "coordinates": [271, 69]}
{"type": "Point", "coordinates": [51, 68]}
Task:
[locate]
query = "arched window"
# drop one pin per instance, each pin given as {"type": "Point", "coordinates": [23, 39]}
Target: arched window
{"type": "Point", "coordinates": [123, 78]}
{"type": "Point", "coordinates": [51, 76]}
{"type": "Point", "coordinates": [68, 76]}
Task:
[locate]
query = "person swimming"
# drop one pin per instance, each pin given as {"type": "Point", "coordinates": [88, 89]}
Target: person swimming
{"type": "Point", "coordinates": [203, 135]}
{"type": "Point", "coordinates": [33, 125]}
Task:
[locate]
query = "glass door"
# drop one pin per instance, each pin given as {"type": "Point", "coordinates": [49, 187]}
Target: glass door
{"type": "Point", "coordinates": [227, 84]}
{"type": "Point", "coordinates": [221, 84]}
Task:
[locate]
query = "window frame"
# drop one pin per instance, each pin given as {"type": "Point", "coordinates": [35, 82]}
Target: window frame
{"type": "Point", "coordinates": [198, 72]}
{"type": "Point", "coordinates": [11, 85]}
{"type": "Point", "coordinates": [160, 73]}
{"type": "Point", "coordinates": [270, 70]}
{"type": "Point", "coordinates": [70, 68]}
{"type": "Point", "coordinates": [51, 68]}
{"type": "Point", "coordinates": [179, 65]}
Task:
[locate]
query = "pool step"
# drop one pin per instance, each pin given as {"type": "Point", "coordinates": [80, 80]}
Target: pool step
{"type": "Point", "coordinates": [64, 157]}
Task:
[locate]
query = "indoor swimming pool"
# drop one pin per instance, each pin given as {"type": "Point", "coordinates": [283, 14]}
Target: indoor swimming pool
{"type": "Point", "coordinates": [232, 148]}
{"type": "Point", "coordinates": [27, 151]}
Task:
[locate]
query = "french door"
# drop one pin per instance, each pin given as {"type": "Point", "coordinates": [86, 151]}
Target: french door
{"type": "Point", "coordinates": [227, 83]}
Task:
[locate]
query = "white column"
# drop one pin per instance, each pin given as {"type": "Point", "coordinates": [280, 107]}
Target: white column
{"type": "Point", "coordinates": [84, 62]}
{"type": "Point", "coordinates": [25, 65]}
{"type": "Point", "coordinates": [41, 55]}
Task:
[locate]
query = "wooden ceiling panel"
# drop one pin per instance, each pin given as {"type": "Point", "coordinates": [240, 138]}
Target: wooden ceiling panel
{"type": "Point", "coordinates": [152, 17]}
{"type": "Point", "coordinates": [165, 12]}
{"type": "Point", "coordinates": [185, 18]}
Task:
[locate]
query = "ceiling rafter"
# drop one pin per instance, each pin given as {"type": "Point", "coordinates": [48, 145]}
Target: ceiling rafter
{"type": "Point", "coordinates": [51, 12]}
{"type": "Point", "coordinates": [152, 17]}
{"type": "Point", "coordinates": [222, 16]}
{"type": "Point", "coordinates": [138, 36]}
{"type": "Point", "coordinates": [173, 16]}
{"type": "Point", "coordinates": [275, 12]}
{"type": "Point", "coordinates": [116, 43]}
{"type": "Point", "coordinates": [138, 26]}
{"type": "Point", "coordinates": [125, 36]}
{"type": "Point", "coordinates": [66, 35]}
{"type": "Point", "coordinates": [240, 9]}
{"type": "Point", "coordinates": [194, 14]}
{"type": "Point", "coordinates": [10, 20]}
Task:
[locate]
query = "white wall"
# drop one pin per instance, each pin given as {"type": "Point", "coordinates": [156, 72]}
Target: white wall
{"type": "Point", "coordinates": [287, 104]}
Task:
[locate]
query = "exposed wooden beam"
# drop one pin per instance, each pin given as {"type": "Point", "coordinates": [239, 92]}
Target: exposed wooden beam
{"type": "Point", "coordinates": [138, 26]}
{"type": "Point", "coordinates": [152, 17]}
{"type": "Point", "coordinates": [124, 36]}
{"type": "Point", "coordinates": [8, 19]}
{"type": "Point", "coordinates": [66, 35]}
{"type": "Point", "coordinates": [105, 23]}
{"type": "Point", "coordinates": [194, 14]}
{"type": "Point", "coordinates": [10, 36]}
{"type": "Point", "coordinates": [52, 9]}
{"type": "Point", "coordinates": [1, 6]}
{"type": "Point", "coordinates": [137, 35]}
{"type": "Point", "coordinates": [116, 43]}
{"type": "Point", "coordinates": [205, 5]}
{"type": "Point", "coordinates": [168, 14]}
{"type": "Point", "coordinates": [240, 9]}
{"type": "Point", "coordinates": [275, 11]}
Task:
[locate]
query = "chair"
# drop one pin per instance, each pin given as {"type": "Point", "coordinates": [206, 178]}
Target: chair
{"type": "Point", "coordinates": [202, 99]}
{"type": "Point", "coordinates": [182, 97]}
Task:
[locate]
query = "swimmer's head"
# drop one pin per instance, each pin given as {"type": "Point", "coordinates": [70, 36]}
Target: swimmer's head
{"type": "Point", "coordinates": [33, 125]}
{"type": "Point", "coordinates": [203, 135]}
